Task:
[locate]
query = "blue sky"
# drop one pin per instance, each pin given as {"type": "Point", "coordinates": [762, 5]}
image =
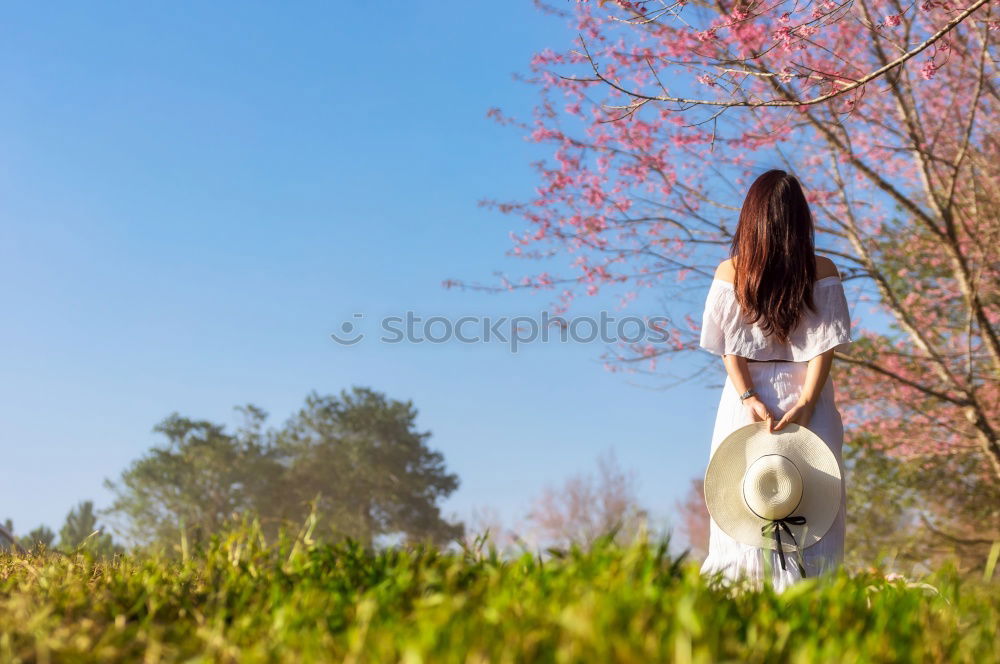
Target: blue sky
{"type": "Point", "coordinates": [196, 195]}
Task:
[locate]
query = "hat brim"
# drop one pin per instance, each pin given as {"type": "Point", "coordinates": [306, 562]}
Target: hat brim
{"type": "Point", "coordinates": [821, 483]}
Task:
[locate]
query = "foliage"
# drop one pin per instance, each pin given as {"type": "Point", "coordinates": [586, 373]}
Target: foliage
{"type": "Point", "coordinates": [374, 469]}
{"type": "Point", "coordinates": [192, 484]}
{"type": "Point", "coordinates": [241, 598]}
{"type": "Point", "coordinates": [82, 530]}
{"type": "Point", "coordinates": [887, 513]}
{"type": "Point", "coordinates": [40, 537]}
{"type": "Point", "coordinates": [357, 455]}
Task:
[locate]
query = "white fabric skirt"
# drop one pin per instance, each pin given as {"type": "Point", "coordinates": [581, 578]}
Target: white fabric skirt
{"type": "Point", "coordinates": [778, 385]}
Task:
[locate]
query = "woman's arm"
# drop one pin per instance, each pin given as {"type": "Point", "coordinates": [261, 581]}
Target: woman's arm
{"type": "Point", "coordinates": [817, 373]}
{"type": "Point", "coordinates": [739, 374]}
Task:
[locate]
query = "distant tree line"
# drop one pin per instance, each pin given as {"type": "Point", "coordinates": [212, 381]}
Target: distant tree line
{"type": "Point", "coordinates": [356, 457]}
{"type": "Point", "coordinates": [81, 530]}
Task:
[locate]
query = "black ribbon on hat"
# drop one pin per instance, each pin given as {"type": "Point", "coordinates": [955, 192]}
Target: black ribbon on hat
{"type": "Point", "coordinates": [775, 526]}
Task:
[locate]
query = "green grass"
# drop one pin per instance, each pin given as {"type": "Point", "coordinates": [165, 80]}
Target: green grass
{"type": "Point", "coordinates": [243, 599]}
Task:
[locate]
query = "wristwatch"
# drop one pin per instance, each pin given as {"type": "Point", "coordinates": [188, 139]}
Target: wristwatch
{"type": "Point", "coordinates": [746, 395]}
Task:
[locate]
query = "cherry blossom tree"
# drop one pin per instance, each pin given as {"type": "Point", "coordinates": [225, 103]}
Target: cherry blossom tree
{"type": "Point", "coordinates": [580, 509]}
{"type": "Point", "coordinates": [486, 528]}
{"type": "Point", "coordinates": [586, 507]}
{"type": "Point", "coordinates": [661, 114]}
{"type": "Point", "coordinates": [694, 519]}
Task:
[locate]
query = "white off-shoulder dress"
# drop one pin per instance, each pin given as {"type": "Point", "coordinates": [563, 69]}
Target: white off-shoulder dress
{"type": "Point", "coordinates": [778, 385]}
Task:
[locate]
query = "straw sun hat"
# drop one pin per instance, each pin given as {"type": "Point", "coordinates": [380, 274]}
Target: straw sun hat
{"type": "Point", "coordinates": [760, 484]}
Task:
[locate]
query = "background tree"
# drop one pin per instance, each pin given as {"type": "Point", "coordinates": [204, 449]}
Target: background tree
{"type": "Point", "coordinates": [41, 537]}
{"type": "Point", "coordinates": [81, 528]}
{"type": "Point", "coordinates": [652, 158]}
{"type": "Point", "coordinates": [887, 505]}
{"type": "Point", "coordinates": [195, 482]}
{"type": "Point", "coordinates": [359, 453]}
{"type": "Point", "coordinates": [694, 519]}
{"type": "Point", "coordinates": [586, 507]}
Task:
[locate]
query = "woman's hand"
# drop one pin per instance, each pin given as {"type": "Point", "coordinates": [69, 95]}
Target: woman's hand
{"type": "Point", "coordinates": [801, 413]}
{"type": "Point", "coordinates": [758, 411]}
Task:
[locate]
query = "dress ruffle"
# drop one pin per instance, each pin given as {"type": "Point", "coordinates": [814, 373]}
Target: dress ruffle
{"type": "Point", "coordinates": [741, 561]}
{"type": "Point", "coordinates": [724, 332]}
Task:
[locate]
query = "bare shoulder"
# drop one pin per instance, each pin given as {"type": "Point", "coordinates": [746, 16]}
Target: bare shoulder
{"type": "Point", "coordinates": [825, 267]}
{"type": "Point", "coordinates": [726, 271]}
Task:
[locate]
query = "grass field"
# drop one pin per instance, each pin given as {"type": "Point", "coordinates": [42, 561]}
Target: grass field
{"type": "Point", "coordinates": [242, 599]}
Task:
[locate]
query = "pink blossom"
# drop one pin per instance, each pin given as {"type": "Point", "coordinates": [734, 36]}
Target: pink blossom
{"type": "Point", "coordinates": [706, 35]}
{"type": "Point", "coordinates": [892, 20]}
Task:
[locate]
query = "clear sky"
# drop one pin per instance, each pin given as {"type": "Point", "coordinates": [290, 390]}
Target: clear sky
{"type": "Point", "coordinates": [195, 195]}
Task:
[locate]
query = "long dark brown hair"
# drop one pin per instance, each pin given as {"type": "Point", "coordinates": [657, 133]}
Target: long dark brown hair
{"type": "Point", "coordinates": [773, 254]}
